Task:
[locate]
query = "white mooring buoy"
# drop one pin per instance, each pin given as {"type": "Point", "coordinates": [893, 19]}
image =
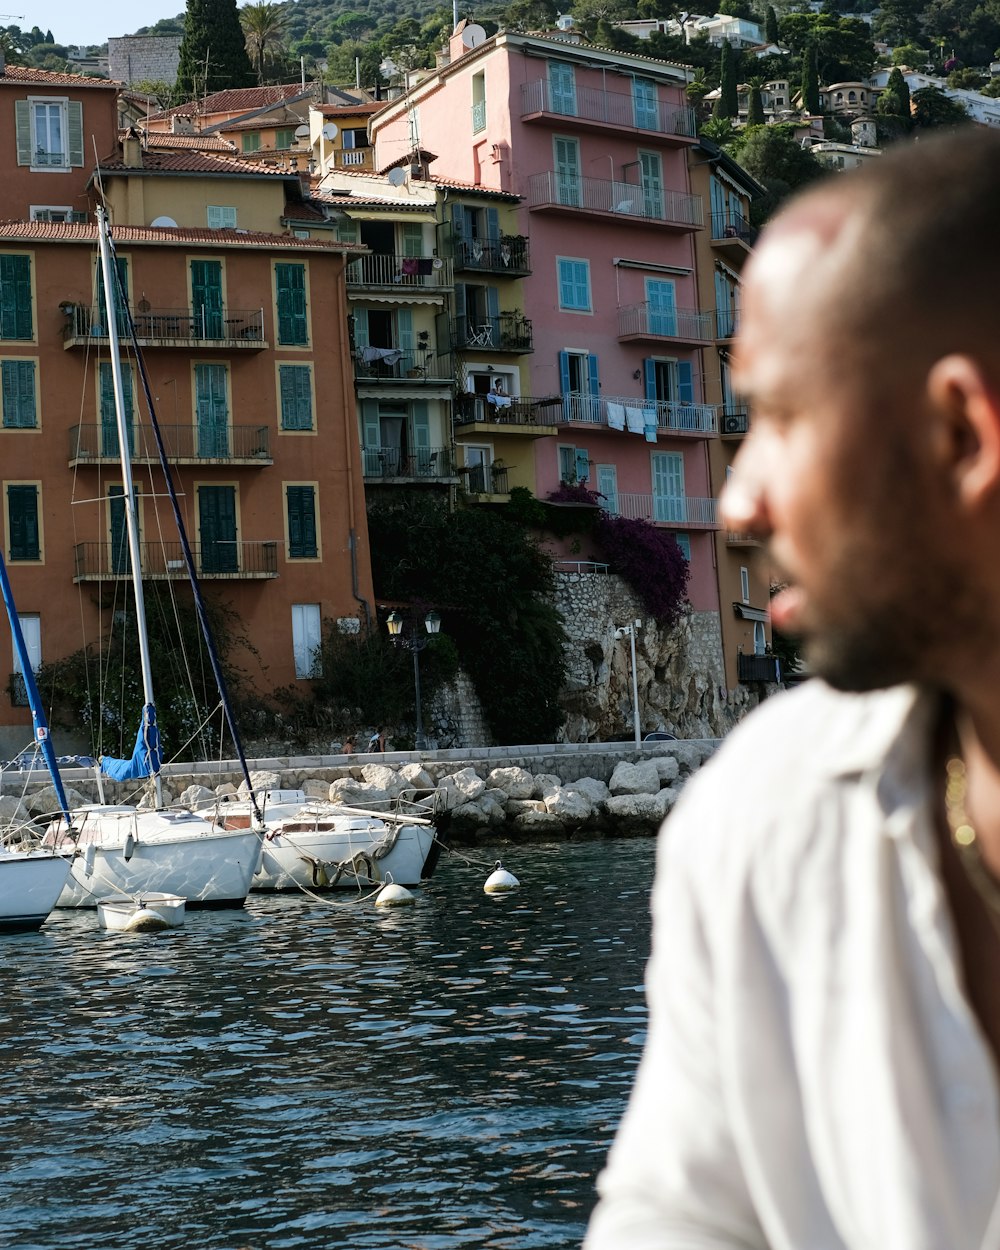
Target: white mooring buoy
{"type": "Point", "coordinates": [500, 881]}
{"type": "Point", "coordinates": [145, 920]}
{"type": "Point", "coordinates": [393, 895]}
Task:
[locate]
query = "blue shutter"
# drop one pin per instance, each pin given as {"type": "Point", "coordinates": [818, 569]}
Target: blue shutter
{"type": "Point", "coordinates": [361, 327]}
{"type": "Point", "coordinates": [564, 373]}
{"type": "Point", "coordinates": [493, 313]}
{"type": "Point", "coordinates": [593, 378]}
{"type": "Point", "coordinates": [492, 225]}
{"type": "Point", "coordinates": [685, 382]}
{"type": "Point", "coordinates": [404, 331]}
{"type": "Point", "coordinates": [582, 465]}
{"type": "Point", "coordinates": [649, 373]}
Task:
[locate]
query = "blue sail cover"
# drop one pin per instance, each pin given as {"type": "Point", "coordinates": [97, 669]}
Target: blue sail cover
{"type": "Point", "coordinates": [146, 758]}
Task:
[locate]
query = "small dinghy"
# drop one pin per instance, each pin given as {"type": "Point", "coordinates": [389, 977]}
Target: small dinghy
{"type": "Point", "coordinates": [145, 914]}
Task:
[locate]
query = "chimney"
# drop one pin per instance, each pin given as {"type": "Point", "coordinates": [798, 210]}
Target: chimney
{"type": "Point", "coordinates": [132, 149]}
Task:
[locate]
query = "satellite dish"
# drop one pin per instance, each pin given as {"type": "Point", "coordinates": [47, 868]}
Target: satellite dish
{"type": "Point", "coordinates": [473, 36]}
{"type": "Point", "coordinates": [396, 177]}
{"type": "Point", "coordinates": [387, 68]}
{"type": "Point", "coordinates": [164, 221]}
{"type": "Point", "coordinates": [330, 131]}
{"type": "Point", "coordinates": [438, 263]}
{"type": "Point", "coordinates": [302, 132]}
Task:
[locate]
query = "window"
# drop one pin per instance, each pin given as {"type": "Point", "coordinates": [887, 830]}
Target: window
{"type": "Point", "coordinates": [300, 234]}
{"type": "Point", "coordinates": [295, 388]}
{"type": "Point", "coordinates": [668, 487]}
{"type": "Point", "coordinates": [574, 284]}
{"type": "Point", "coordinates": [684, 542]}
{"type": "Point", "coordinates": [759, 638]}
{"type": "Point", "coordinates": [24, 540]}
{"type": "Point", "coordinates": [607, 486]}
{"type": "Point", "coordinates": [355, 139]}
{"type": "Point", "coordinates": [106, 404]}
{"type": "Point", "coordinates": [478, 102]}
{"type": "Point", "coordinates": [579, 385]}
{"type": "Point", "coordinates": [644, 104]}
{"type": "Point", "coordinates": [347, 231]}
{"type": "Point", "coordinates": [661, 306]}
{"type": "Point", "coordinates": [745, 584]}
{"type": "Point", "coordinates": [301, 516]}
{"type": "Point", "coordinates": [49, 133]}
{"type": "Point", "coordinates": [568, 183]}
{"type": "Point", "coordinates": [211, 389]}
{"type": "Point", "coordinates": [562, 88]}
{"type": "Point", "coordinates": [574, 465]}
{"type": "Point", "coordinates": [31, 629]}
{"type": "Point", "coordinates": [17, 387]}
{"type": "Point", "coordinates": [251, 141]}
{"type": "Point", "coordinates": [220, 217]}
{"type": "Point", "coordinates": [306, 639]}
{"type": "Point", "coordinates": [54, 212]}
{"type": "Point", "coordinates": [651, 178]}
{"type": "Point", "coordinates": [15, 297]}
{"type": "Point", "coordinates": [284, 138]}
{"type": "Point", "coordinates": [290, 284]}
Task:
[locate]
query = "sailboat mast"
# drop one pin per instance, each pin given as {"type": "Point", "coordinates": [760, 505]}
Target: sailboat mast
{"type": "Point", "coordinates": [128, 486]}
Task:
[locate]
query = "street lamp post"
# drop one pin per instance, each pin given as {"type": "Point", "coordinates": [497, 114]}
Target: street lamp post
{"type": "Point", "coordinates": [415, 643]}
{"type": "Point", "coordinates": [630, 629]}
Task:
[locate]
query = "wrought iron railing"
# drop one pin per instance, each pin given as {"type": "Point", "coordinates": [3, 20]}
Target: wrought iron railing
{"type": "Point", "coordinates": [732, 226]}
{"type": "Point", "coordinates": [487, 479]}
{"type": "Point", "coordinates": [727, 322]}
{"type": "Point", "coordinates": [163, 560]}
{"type": "Point", "coordinates": [622, 199]}
{"type": "Point", "coordinates": [50, 160]}
{"type": "Point", "coordinates": [200, 325]}
{"type": "Point", "coordinates": [18, 690]}
{"type": "Point", "coordinates": [506, 409]}
{"type": "Point", "coordinates": [389, 363]}
{"type": "Point", "coordinates": [612, 108]}
{"type": "Point", "coordinates": [758, 668]}
{"type": "Point", "coordinates": [478, 116]}
{"type": "Point", "coordinates": [509, 254]}
{"type": "Point", "coordinates": [507, 332]}
{"type": "Point", "coordinates": [654, 323]}
{"type": "Point", "coordinates": [399, 272]}
{"type": "Point", "coordinates": [392, 462]}
{"type": "Point", "coordinates": [181, 442]}
{"type": "Point", "coordinates": [629, 412]}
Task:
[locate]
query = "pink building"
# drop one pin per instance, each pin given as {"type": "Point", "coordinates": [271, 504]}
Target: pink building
{"type": "Point", "coordinates": [595, 143]}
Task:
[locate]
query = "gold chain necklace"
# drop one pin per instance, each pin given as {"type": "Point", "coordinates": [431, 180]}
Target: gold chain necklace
{"type": "Point", "coordinates": [963, 836]}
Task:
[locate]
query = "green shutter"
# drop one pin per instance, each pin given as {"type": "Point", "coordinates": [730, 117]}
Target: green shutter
{"type": "Point", "coordinates": [413, 238]}
{"type": "Point", "coordinates": [22, 122]}
{"type": "Point", "coordinates": [301, 502]}
{"type": "Point", "coordinates": [75, 128]}
{"type": "Point", "coordinates": [296, 397]}
{"type": "Point", "coordinates": [15, 297]}
{"type": "Point", "coordinates": [18, 388]}
{"type": "Point", "coordinates": [22, 523]}
{"type": "Point", "coordinates": [206, 298]}
{"type": "Point", "coordinates": [212, 402]}
{"type": "Point", "coordinates": [109, 421]}
{"type": "Point", "coordinates": [404, 331]}
{"type": "Point", "coordinates": [290, 281]}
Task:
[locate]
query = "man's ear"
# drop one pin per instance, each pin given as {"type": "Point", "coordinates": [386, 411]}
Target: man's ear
{"type": "Point", "coordinates": [966, 406]}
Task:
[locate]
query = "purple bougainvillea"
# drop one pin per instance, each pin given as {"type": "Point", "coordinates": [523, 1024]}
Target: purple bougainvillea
{"type": "Point", "coordinates": [649, 560]}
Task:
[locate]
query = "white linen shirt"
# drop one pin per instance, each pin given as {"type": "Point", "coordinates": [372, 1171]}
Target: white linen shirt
{"type": "Point", "coordinates": [813, 1076]}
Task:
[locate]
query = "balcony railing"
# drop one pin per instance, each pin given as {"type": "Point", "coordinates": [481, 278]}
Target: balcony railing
{"type": "Point", "coordinates": [478, 116]}
{"type": "Point", "coordinates": [49, 160]}
{"type": "Point", "coordinates": [610, 108]}
{"type": "Point", "coordinates": [643, 321]}
{"type": "Point", "coordinates": [735, 422]}
{"type": "Point", "coordinates": [223, 560]}
{"type": "Point", "coordinates": [487, 479]}
{"type": "Point", "coordinates": [507, 410]}
{"type": "Point", "coordinates": [510, 254]}
{"type": "Point", "coordinates": [629, 412]}
{"type": "Point", "coordinates": [353, 157]}
{"type": "Point", "coordinates": [399, 273]}
{"type": "Point", "coordinates": [382, 463]}
{"type": "Point", "coordinates": [758, 668]}
{"type": "Point", "coordinates": [385, 364]}
{"type": "Point", "coordinates": [682, 511]}
{"type": "Point", "coordinates": [507, 332]}
{"type": "Point", "coordinates": [232, 444]}
{"type": "Point", "coordinates": [172, 327]}
{"type": "Point", "coordinates": [727, 322]}
{"type": "Point", "coordinates": [732, 227]}
{"type": "Point", "coordinates": [553, 190]}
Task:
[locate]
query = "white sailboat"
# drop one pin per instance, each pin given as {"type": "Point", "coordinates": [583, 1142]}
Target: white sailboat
{"type": "Point", "coordinates": [135, 850]}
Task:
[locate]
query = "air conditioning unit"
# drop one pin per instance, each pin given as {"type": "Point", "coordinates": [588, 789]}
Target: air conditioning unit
{"type": "Point", "coordinates": [734, 423]}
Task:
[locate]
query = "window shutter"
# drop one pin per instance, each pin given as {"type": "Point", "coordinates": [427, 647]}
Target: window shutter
{"type": "Point", "coordinates": [15, 297]}
{"type": "Point", "coordinates": [593, 378]}
{"type": "Point", "coordinates": [19, 394]}
{"type": "Point", "coordinates": [492, 225]}
{"type": "Point", "coordinates": [301, 522]}
{"type": "Point", "coordinates": [291, 285]}
{"type": "Point", "coordinates": [564, 373]}
{"type": "Point", "coordinates": [685, 382]}
{"type": "Point", "coordinates": [493, 305]}
{"type": "Point", "coordinates": [22, 515]}
{"type": "Point", "coordinates": [22, 122]}
{"type": "Point", "coordinates": [370, 421]}
{"type": "Point", "coordinates": [296, 397]}
{"type": "Point", "coordinates": [75, 129]}
{"type": "Point", "coordinates": [404, 329]}
{"type": "Point", "coordinates": [361, 327]}
{"type": "Point", "coordinates": [458, 224]}
{"type": "Point", "coordinates": [413, 239]}
{"type": "Point", "coordinates": [649, 373]}
{"type": "Point", "coordinates": [421, 425]}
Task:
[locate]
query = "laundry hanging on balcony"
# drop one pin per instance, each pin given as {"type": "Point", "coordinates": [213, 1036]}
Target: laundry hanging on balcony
{"type": "Point", "coordinates": [634, 421]}
{"type": "Point", "coordinates": [390, 355]}
{"type": "Point", "coordinates": [616, 416]}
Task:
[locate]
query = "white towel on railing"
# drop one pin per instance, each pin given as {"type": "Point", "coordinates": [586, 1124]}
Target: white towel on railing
{"type": "Point", "coordinates": [635, 421]}
{"type": "Point", "coordinates": [616, 416]}
{"type": "Point", "coordinates": [649, 424]}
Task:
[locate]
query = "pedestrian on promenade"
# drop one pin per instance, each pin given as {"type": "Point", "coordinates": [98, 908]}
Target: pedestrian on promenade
{"type": "Point", "coordinates": [377, 741]}
{"type": "Point", "coordinates": [821, 1066]}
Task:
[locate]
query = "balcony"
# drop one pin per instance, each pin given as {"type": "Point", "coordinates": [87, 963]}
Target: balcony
{"type": "Point", "coordinates": [735, 422]}
{"type": "Point", "coordinates": [735, 539]}
{"type": "Point", "coordinates": [40, 159]}
{"type": "Point", "coordinates": [732, 233]}
{"type": "Point", "coordinates": [487, 479]}
{"type": "Point", "coordinates": [564, 193]}
{"type": "Point", "coordinates": [628, 412]}
{"type": "Point", "coordinates": [510, 255]}
{"type": "Point", "coordinates": [507, 332]}
{"type": "Point", "coordinates": [727, 323]}
{"type": "Point", "coordinates": [184, 444]}
{"type": "Point", "coordinates": [641, 322]}
{"type": "Point", "coordinates": [392, 364]}
{"type": "Point", "coordinates": [228, 328]}
{"type": "Point", "coordinates": [355, 158]}
{"type": "Point", "coordinates": [409, 277]}
{"type": "Point", "coordinates": [226, 561]}
{"type": "Point", "coordinates": [765, 668]}
{"type": "Point", "coordinates": [608, 110]}
{"type": "Point", "coordinates": [508, 414]}
{"type": "Point", "coordinates": [676, 511]}
{"type": "Point", "coordinates": [426, 464]}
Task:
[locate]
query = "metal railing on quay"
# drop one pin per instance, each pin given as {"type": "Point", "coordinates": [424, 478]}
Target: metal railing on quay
{"type": "Point", "coordinates": [181, 442]}
{"type": "Point", "coordinates": [624, 199]}
{"type": "Point", "coordinates": [222, 559]}
{"type": "Point", "coordinates": [612, 108]}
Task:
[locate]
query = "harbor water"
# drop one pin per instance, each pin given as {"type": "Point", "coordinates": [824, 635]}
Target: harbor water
{"type": "Point", "coordinates": [304, 1075]}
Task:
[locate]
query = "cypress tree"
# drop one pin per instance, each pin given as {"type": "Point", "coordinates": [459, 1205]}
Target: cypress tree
{"type": "Point", "coordinates": [729, 102]}
{"type": "Point", "coordinates": [771, 25]}
{"type": "Point", "coordinates": [895, 100]}
{"type": "Point", "coordinates": [810, 80]}
{"type": "Point", "coordinates": [213, 55]}
{"type": "Point", "coordinates": [755, 107]}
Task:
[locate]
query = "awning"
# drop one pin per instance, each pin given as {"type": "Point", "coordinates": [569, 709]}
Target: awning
{"type": "Point", "coordinates": [751, 614]}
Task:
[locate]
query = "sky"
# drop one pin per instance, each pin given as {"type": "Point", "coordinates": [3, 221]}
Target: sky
{"type": "Point", "coordinates": [73, 22]}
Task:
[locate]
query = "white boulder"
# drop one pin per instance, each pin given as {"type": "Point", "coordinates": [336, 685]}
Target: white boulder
{"type": "Point", "coordinates": [12, 810]}
{"type": "Point", "coordinates": [45, 803]}
{"type": "Point", "coordinates": [464, 786]}
{"type": "Point", "coordinates": [416, 777]}
{"type": "Point", "coordinates": [196, 796]}
{"type": "Point", "coordinates": [571, 806]}
{"type": "Point", "coordinates": [667, 769]}
{"type": "Point", "coordinates": [314, 789]}
{"type": "Point", "coordinates": [517, 807]}
{"type": "Point", "coordinates": [263, 780]}
{"type": "Point", "coordinates": [516, 783]}
{"type": "Point", "coordinates": [545, 783]}
{"type": "Point", "coordinates": [354, 793]}
{"type": "Point", "coordinates": [538, 822]}
{"type": "Point", "coordinates": [595, 790]}
{"type": "Point", "coordinates": [382, 778]}
{"type": "Point", "coordinates": [643, 810]}
{"type": "Point", "coordinates": [635, 778]}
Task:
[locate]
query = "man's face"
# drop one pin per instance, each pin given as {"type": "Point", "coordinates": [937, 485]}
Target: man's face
{"type": "Point", "coordinates": [835, 479]}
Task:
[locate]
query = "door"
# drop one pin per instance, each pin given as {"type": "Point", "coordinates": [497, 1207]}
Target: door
{"type": "Point", "coordinates": [217, 529]}
{"type": "Point", "coordinates": [109, 420]}
{"type": "Point", "coordinates": [567, 154]}
{"type": "Point", "coordinates": [206, 299]}
{"type": "Point", "coordinates": [562, 88]}
{"type": "Point", "coordinates": [662, 308]}
{"type": "Point", "coordinates": [607, 485]}
{"type": "Point", "coordinates": [651, 176]}
{"type": "Point", "coordinates": [644, 104]}
{"type": "Point", "coordinates": [668, 487]}
{"type": "Point", "coordinates": [213, 410]}
{"type": "Point", "coordinates": [478, 461]}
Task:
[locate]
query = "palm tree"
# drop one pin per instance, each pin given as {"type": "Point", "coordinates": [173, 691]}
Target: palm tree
{"type": "Point", "coordinates": [264, 30]}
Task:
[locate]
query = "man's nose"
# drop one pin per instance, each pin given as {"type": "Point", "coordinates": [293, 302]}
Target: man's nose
{"type": "Point", "coordinates": [743, 505]}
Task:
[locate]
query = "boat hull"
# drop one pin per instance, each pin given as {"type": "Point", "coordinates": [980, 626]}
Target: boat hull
{"type": "Point", "coordinates": [145, 914]}
{"type": "Point", "coordinates": [309, 859]}
{"type": "Point", "coordinates": [30, 883]}
{"type": "Point", "coordinates": [124, 851]}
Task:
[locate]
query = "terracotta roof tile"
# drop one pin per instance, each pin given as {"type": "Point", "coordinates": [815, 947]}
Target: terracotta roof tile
{"type": "Point", "coordinates": [49, 78]}
{"type": "Point", "coordinates": [435, 180]}
{"type": "Point", "coordinates": [237, 100]}
{"type": "Point", "coordinates": [63, 232]}
{"type": "Point", "coordinates": [157, 160]}
{"type": "Point", "coordinates": [342, 110]}
{"type": "Point", "coordinates": [197, 143]}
